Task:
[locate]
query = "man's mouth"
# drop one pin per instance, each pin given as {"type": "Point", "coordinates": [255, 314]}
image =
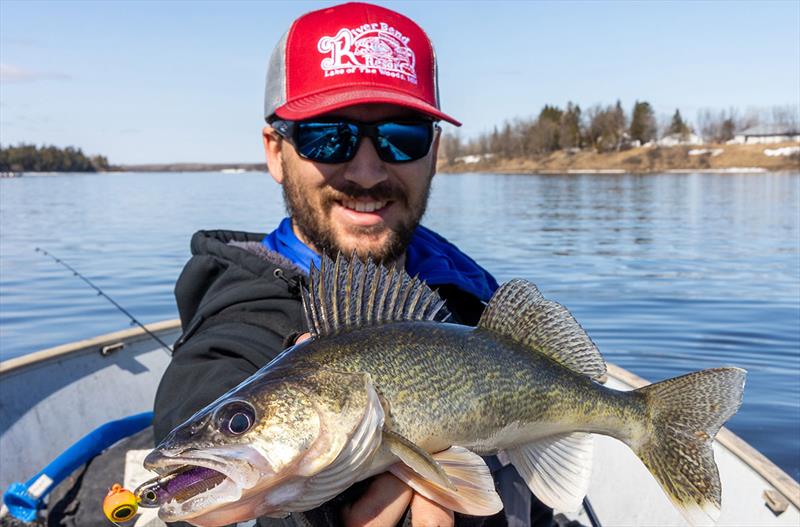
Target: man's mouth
{"type": "Point", "coordinates": [363, 206]}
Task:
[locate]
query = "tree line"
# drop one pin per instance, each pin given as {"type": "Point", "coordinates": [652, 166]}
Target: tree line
{"type": "Point", "coordinates": [30, 158]}
{"type": "Point", "coordinates": [607, 128]}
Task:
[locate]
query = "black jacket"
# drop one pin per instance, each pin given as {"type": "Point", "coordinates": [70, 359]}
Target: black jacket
{"type": "Point", "coordinates": [238, 304]}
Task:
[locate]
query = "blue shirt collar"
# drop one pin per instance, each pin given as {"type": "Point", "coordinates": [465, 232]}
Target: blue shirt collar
{"type": "Point", "coordinates": [429, 256]}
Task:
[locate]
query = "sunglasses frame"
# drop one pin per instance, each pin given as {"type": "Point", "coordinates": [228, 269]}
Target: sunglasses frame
{"type": "Point", "coordinates": [288, 130]}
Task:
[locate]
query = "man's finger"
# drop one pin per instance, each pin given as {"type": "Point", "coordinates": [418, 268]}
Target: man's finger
{"type": "Point", "coordinates": [382, 505]}
{"type": "Point", "coordinates": [300, 338]}
{"type": "Point", "coordinates": [427, 513]}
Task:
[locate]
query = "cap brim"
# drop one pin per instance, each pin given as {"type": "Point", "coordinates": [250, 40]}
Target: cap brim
{"type": "Point", "coordinates": [332, 100]}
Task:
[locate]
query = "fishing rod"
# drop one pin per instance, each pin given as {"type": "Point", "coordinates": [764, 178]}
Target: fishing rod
{"type": "Point", "coordinates": [100, 292]}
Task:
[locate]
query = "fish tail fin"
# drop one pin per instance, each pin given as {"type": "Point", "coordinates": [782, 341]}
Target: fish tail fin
{"type": "Point", "coordinates": [684, 415]}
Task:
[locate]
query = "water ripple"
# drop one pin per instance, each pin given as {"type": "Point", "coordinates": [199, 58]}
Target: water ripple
{"type": "Point", "coordinates": [667, 273]}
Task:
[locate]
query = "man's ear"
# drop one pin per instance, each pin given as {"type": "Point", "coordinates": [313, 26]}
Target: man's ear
{"type": "Point", "coordinates": [272, 151]}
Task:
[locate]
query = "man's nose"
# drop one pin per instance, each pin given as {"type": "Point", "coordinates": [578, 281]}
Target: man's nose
{"type": "Point", "coordinates": [366, 169]}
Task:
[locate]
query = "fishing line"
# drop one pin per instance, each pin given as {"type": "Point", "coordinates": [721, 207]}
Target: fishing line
{"type": "Point", "coordinates": [100, 292]}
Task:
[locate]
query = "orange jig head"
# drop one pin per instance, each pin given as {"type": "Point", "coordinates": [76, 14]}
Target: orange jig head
{"type": "Point", "coordinates": [120, 505]}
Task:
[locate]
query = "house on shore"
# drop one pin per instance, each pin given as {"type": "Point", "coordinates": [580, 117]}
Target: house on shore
{"type": "Point", "coordinates": [680, 139]}
{"type": "Point", "coordinates": [765, 134]}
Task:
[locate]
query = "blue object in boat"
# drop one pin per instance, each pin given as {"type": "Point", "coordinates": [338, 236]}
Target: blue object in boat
{"type": "Point", "coordinates": [23, 500]}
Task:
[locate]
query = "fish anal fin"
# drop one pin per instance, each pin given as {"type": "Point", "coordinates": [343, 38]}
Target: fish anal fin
{"type": "Point", "coordinates": [556, 468]}
{"type": "Point", "coordinates": [518, 311]}
{"type": "Point", "coordinates": [417, 459]}
{"type": "Point", "coordinates": [474, 491]}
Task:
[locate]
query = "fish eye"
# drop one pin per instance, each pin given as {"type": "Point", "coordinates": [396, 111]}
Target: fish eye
{"type": "Point", "coordinates": [239, 423]}
{"type": "Point", "coordinates": [236, 418]}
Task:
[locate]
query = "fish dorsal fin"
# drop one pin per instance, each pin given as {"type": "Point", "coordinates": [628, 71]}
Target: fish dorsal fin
{"type": "Point", "coordinates": [518, 310]}
{"type": "Point", "coordinates": [348, 293]}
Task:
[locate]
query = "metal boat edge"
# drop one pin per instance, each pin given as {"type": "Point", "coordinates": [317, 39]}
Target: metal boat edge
{"type": "Point", "coordinates": [98, 342]}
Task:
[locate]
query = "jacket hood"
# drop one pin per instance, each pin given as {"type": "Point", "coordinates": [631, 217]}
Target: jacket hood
{"type": "Point", "coordinates": [228, 270]}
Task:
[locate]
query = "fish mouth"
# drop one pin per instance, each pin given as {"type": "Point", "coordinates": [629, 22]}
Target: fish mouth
{"type": "Point", "coordinates": [195, 482]}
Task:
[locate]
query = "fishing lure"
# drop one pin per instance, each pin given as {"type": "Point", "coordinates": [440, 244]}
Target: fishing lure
{"type": "Point", "coordinates": [178, 485]}
{"type": "Point", "coordinates": [120, 504]}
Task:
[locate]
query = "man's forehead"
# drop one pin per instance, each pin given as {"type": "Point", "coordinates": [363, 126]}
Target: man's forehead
{"type": "Point", "coordinates": [373, 112]}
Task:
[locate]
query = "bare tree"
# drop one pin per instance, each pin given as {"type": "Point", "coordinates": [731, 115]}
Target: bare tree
{"type": "Point", "coordinates": [450, 146]}
{"type": "Point", "coordinates": [787, 117]}
{"type": "Point", "coordinates": [606, 127]}
{"type": "Point", "coordinates": [717, 126]}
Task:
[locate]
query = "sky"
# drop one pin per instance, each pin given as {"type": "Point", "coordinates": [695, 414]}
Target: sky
{"type": "Point", "coordinates": [183, 81]}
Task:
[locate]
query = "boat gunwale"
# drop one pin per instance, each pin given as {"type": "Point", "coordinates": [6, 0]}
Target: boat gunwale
{"type": "Point", "coordinates": [58, 352]}
{"type": "Point", "coordinates": [758, 462]}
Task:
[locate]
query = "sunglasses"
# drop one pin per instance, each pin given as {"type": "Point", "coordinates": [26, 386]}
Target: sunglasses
{"type": "Point", "coordinates": [337, 140]}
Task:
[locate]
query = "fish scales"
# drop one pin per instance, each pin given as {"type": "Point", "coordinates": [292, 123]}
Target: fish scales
{"type": "Point", "coordinates": [450, 384]}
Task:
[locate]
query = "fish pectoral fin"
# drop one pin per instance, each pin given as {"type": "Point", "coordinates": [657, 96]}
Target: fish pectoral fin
{"type": "Point", "coordinates": [473, 491]}
{"type": "Point", "coordinates": [417, 459]}
{"type": "Point", "coordinates": [556, 468]}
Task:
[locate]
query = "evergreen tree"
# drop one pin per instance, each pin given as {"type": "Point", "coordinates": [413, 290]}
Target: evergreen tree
{"type": "Point", "coordinates": [643, 123]}
{"type": "Point", "coordinates": [620, 120]}
{"type": "Point", "coordinates": [570, 134]}
{"type": "Point", "coordinates": [678, 126]}
{"type": "Point", "coordinates": [551, 113]}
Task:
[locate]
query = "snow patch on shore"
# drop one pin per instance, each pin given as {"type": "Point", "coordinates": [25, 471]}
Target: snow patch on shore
{"type": "Point", "coordinates": [700, 151]}
{"type": "Point", "coordinates": [785, 151]}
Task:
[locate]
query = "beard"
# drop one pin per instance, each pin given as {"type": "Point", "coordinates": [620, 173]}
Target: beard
{"type": "Point", "coordinates": [315, 224]}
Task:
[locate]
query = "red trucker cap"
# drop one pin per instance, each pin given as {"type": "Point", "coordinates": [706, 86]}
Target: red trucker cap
{"type": "Point", "coordinates": [352, 54]}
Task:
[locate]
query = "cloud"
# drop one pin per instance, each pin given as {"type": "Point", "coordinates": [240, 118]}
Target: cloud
{"type": "Point", "coordinates": [11, 74]}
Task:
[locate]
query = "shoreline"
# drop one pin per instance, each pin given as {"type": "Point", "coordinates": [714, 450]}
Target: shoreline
{"type": "Point", "coordinates": [715, 159]}
{"type": "Point", "coordinates": [752, 158]}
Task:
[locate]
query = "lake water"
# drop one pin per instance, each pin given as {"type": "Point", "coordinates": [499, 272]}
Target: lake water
{"type": "Point", "coordinates": [667, 273]}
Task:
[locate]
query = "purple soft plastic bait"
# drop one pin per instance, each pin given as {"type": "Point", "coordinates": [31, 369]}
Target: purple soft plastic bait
{"type": "Point", "coordinates": [180, 485]}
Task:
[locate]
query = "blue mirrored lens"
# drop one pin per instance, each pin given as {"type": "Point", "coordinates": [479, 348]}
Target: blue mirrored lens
{"type": "Point", "coordinates": [327, 142]}
{"type": "Point", "coordinates": [337, 142]}
{"type": "Point", "coordinates": [398, 142]}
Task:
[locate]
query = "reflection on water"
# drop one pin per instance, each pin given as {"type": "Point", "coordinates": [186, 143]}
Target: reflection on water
{"type": "Point", "coordinates": [668, 273]}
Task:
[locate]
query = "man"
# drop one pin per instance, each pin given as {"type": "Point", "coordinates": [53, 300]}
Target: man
{"type": "Point", "coordinates": [351, 105]}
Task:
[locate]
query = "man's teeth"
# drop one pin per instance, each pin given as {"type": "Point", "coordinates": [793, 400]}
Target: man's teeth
{"type": "Point", "coordinates": [364, 206]}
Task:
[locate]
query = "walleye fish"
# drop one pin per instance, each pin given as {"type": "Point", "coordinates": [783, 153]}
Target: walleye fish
{"type": "Point", "coordinates": [383, 385]}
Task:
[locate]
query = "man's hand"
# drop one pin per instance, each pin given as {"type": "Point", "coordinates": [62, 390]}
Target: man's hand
{"type": "Point", "coordinates": [385, 502]}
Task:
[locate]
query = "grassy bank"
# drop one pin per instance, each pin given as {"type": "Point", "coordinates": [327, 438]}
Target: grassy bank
{"type": "Point", "coordinates": [639, 160]}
